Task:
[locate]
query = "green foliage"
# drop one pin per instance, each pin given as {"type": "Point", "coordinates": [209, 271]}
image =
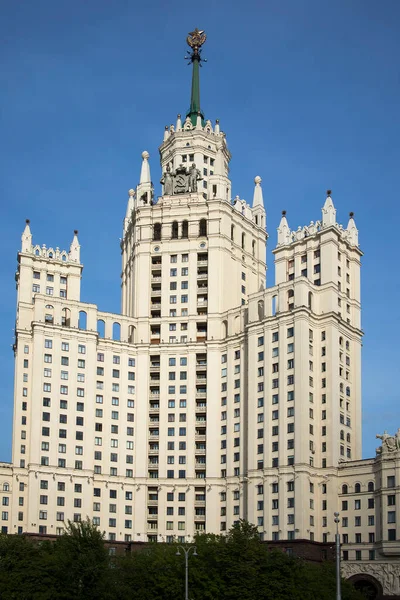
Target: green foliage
{"type": "Point", "coordinates": [238, 565]}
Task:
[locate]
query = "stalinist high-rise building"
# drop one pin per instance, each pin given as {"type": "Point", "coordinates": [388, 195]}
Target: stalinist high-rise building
{"type": "Point", "coordinates": [211, 397]}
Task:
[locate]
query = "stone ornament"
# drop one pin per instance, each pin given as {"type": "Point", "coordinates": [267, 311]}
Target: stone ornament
{"type": "Point", "coordinates": [390, 443]}
{"type": "Point", "coordinates": [388, 574]}
{"type": "Point", "coordinates": [180, 181]}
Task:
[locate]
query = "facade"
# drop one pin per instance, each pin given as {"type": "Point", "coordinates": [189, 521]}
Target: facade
{"type": "Point", "coordinates": [211, 397]}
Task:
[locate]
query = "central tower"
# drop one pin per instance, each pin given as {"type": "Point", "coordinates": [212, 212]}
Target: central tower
{"type": "Point", "coordinates": [222, 243]}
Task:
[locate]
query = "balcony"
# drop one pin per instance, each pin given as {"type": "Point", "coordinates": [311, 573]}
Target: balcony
{"type": "Point", "coordinates": [152, 525]}
{"type": "Point", "coordinates": [202, 289]}
{"type": "Point", "coordinates": [154, 420]}
{"type": "Point", "coordinates": [154, 367]}
{"type": "Point", "coordinates": [155, 276]}
{"type": "Point", "coordinates": [152, 503]}
{"type": "Point", "coordinates": [201, 408]}
{"type": "Point", "coordinates": [202, 276]}
{"type": "Point", "coordinates": [202, 263]}
{"type": "Point", "coordinates": [154, 435]}
{"type": "Point", "coordinates": [154, 451]}
{"type": "Point", "coordinates": [202, 302]}
{"type": "Point", "coordinates": [153, 465]}
{"type": "Point", "coordinates": [154, 410]}
{"type": "Point", "coordinates": [200, 452]}
{"type": "Point", "coordinates": [201, 393]}
{"type": "Point", "coordinates": [154, 394]}
{"type": "Point", "coordinates": [200, 422]}
{"type": "Point", "coordinates": [200, 517]}
{"type": "Point", "coordinates": [201, 379]}
{"type": "Point", "coordinates": [200, 437]}
{"type": "Point", "coordinates": [155, 305]}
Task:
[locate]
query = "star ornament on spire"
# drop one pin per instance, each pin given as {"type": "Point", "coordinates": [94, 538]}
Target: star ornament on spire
{"type": "Point", "coordinates": [195, 40]}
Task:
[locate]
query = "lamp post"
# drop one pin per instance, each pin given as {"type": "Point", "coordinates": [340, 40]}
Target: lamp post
{"type": "Point", "coordinates": [337, 541]}
{"type": "Point", "coordinates": [186, 552]}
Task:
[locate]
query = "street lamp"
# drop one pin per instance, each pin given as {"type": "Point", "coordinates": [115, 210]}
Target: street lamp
{"type": "Point", "coordinates": [186, 553]}
{"type": "Point", "coordinates": [337, 541]}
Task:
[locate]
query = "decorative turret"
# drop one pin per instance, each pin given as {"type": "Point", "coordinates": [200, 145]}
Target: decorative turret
{"type": "Point", "coordinates": [178, 123]}
{"type": "Point", "coordinates": [26, 238]}
{"type": "Point", "coordinates": [129, 208]}
{"type": "Point", "coordinates": [195, 40]}
{"type": "Point", "coordinates": [352, 231]}
{"type": "Point", "coordinates": [75, 249]}
{"type": "Point", "coordinates": [283, 231]}
{"type": "Point", "coordinates": [258, 195]}
{"type": "Point", "coordinates": [328, 211]}
{"type": "Point", "coordinates": [145, 187]}
{"type": "Point", "coordinates": [258, 203]}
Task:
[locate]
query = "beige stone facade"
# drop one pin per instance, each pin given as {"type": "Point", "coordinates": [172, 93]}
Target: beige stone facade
{"type": "Point", "coordinates": [211, 397]}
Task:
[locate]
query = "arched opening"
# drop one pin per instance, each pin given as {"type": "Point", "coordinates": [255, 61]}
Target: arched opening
{"type": "Point", "coordinates": [82, 322]}
{"type": "Point", "coordinates": [256, 220]}
{"type": "Point", "coordinates": [310, 300]}
{"type": "Point", "coordinates": [232, 233]}
{"type": "Point", "coordinates": [348, 438]}
{"type": "Point", "coordinates": [131, 334]}
{"type": "Point", "coordinates": [357, 488]}
{"type": "Point", "coordinates": [369, 587]}
{"type": "Point", "coordinates": [371, 486]}
{"type": "Point", "coordinates": [202, 228]}
{"type": "Point", "coordinates": [101, 328]}
{"type": "Point", "coordinates": [260, 307]}
{"type": "Point", "coordinates": [49, 317]}
{"type": "Point", "coordinates": [185, 229]}
{"type": "Point", "coordinates": [347, 391]}
{"type": "Point", "coordinates": [174, 230]}
{"type": "Point", "coordinates": [253, 247]}
{"type": "Point", "coordinates": [340, 341]}
{"type": "Point", "coordinates": [243, 240]}
{"type": "Point", "coordinates": [345, 489]}
{"type": "Point", "coordinates": [66, 317]}
{"type": "Point", "coordinates": [342, 434]}
{"type": "Point", "coordinates": [274, 305]}
{"type": "Point", "coordinates": [116, 332]}
{"type": "Point", "coordinates": [225, 328]}
{"type": "Point", "coordinates": [157, 232]}
{"type": "Point", "coordinates": [237, 324]}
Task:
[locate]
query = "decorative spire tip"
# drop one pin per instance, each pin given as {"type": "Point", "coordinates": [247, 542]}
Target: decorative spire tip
{"type": "Point", "coordinates": [76, 232]}
{"type": "Point", "coordinates": [27, 221]}
{"type": "Point", "coordinates": [351, 215]}
{"type": "Point", "coordinates": [328, 192]}
{"type": "Point", "coordinates": [284, 213]}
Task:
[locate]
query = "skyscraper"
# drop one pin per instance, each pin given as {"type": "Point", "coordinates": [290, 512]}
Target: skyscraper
{"type": "Point", "coordinates": [211, 397]}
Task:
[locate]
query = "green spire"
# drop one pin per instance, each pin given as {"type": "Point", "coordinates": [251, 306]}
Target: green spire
{"type": "Point", "coordinates": [195, 40]}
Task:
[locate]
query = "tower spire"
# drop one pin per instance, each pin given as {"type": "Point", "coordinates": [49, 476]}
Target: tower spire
{"type": "Point", "coordinates": [195, 40]}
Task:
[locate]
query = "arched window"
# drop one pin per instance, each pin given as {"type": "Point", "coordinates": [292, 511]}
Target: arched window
{"type": "Point", "coordinates": [345, 489]}
{"type": "Point", "coordinates": [6, 487]}
{"type": "Point", "coordinates": [340, 341]}
{"type": "Point", "coordinates": [48, 318]}
{"type": "Point", "coordinates": [101, 328]}
{"type": "Point", "coordinates": [66, 317]}
{"type": "Point", "coordinates": [348, 438]}
{"type": "Point", "coordinates": [341, 434]}
{"type": "Point", "coordinates": [371, 486]}
{"type": "Point", "coordinates": [185, 229]}
{"type": "Point", "coordinates": [232, 233]}
{"type": "Point", "coordinates": [243, 240]}
{"type": "Point", "coordinates": [174, 230]}
{"type": "Point", "coordinates": [347, 391]}
{"type": "Point", "coordinates": [157, 232]}
{"type": "Point", "coordinates": [256, 220]}
{"type": "Point", "coordinates": [253, 247]}
{"type": "Point", "coordinates": [131, 334]}
{"type": "Point", "coordinates": [116, 332]}
{"type": "Point", "coordinates": [290, 293]}
{"type": "Point", "coordinates": [202, 228]}
{"type": "Point", "coordinates": [357, 488]}
{"type": "Point", "coordinates": [347, 345]}
{"type": "Point", "coordinates": [82, 323]}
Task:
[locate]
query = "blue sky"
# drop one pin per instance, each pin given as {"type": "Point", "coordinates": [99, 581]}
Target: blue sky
{"type": "Point", "coordinates": [306, 91]}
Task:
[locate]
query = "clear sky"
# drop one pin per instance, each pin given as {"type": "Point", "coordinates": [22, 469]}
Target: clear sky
{"type": "Point", "coordinates": [307, 92]}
